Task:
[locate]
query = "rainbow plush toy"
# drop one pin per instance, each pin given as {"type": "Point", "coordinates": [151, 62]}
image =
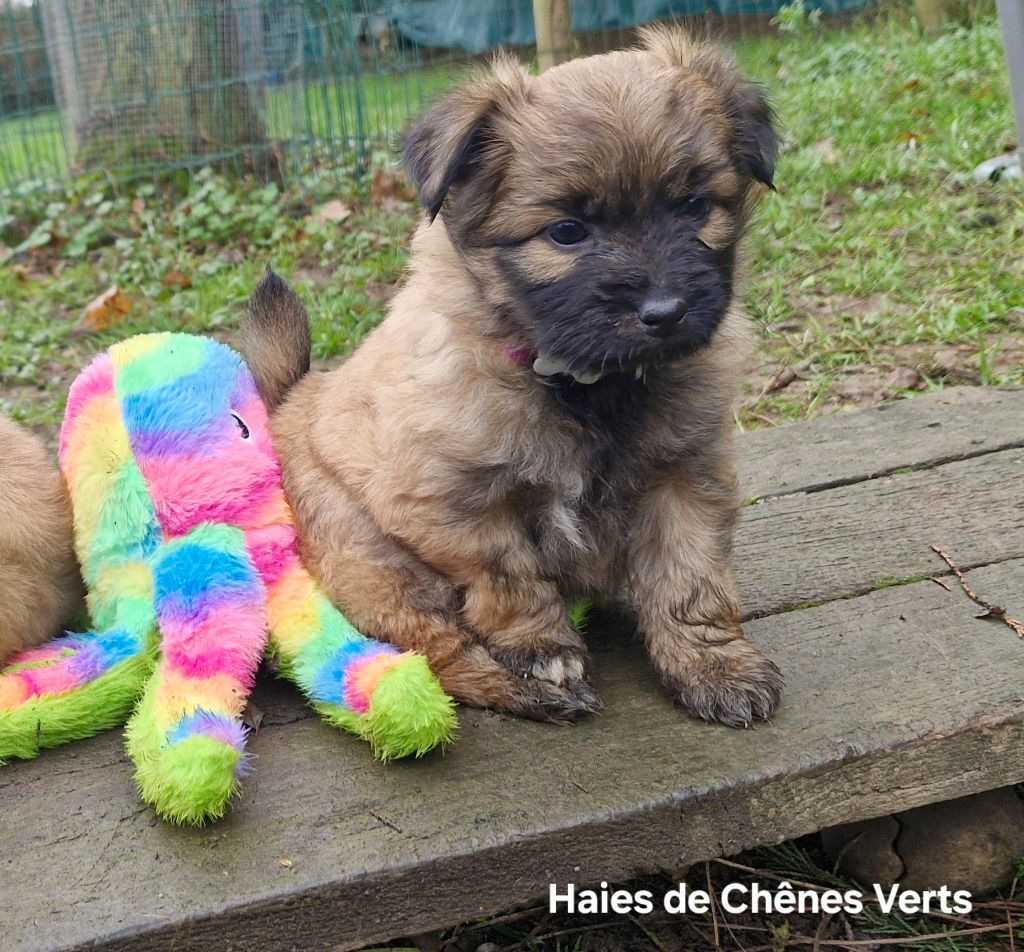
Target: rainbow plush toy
{"type": "Point", "coordinates": [188, 550]}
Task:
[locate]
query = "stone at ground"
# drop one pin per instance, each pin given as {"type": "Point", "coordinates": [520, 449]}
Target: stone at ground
{"type": "Point", "coordinates": [970, 843]}
{"type": "Point", "coordinates": [864, 851]}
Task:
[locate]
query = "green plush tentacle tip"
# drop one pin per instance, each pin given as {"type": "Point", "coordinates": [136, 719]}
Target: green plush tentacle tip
{"type": "Point", "coordinates": [579, 613]}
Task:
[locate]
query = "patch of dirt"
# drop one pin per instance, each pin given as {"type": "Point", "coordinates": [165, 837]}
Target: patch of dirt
{"type": "Point", "coordinates": [841, 305]}
{"type": "Point", "coordinates": [312, 274]}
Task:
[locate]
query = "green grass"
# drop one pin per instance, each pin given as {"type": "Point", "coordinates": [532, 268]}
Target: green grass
{"type": "Point", "coordinates": [31, 147]}
{"type": "Point", "coordinates": [879, 267]}
{"type": "Point", "coordinates": [218, 239]}
{"type": "Point", "coordinates": [879, 252]}
{"type": "Point", "coordinates": [386, 104]}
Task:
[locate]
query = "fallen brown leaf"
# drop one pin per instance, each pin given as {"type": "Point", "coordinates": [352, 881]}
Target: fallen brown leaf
{"type": "Point", "coordinates": [781, 380]}
{"type": "Point", "coordinates": [332, 211]}
{"type": "Point", "coordinates": [108, 309]}
{"type": "Point", "coordinates": [175, 279]}
{"type": "Point", "coordinates": [390, 183]}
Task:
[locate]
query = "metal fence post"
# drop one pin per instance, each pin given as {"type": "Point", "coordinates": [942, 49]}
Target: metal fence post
{"type": "Point", "coordinates": [1011, 17]}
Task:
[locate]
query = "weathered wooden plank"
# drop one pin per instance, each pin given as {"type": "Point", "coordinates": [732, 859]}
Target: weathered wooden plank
{"type": "Point", "coordinates": [897, 698]}
{"type": "Point", "coordinates": [795, 550]}
{"type": "Point", "coordinates": [849, 447]}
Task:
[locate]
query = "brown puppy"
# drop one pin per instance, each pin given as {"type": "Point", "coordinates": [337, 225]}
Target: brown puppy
{"type": "Point", "coordinates": [545, 412]}
{"type": "Point", "coordinates": [40, 585]}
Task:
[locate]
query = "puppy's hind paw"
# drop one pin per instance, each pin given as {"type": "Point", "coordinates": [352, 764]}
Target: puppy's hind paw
{"type": "Point", "coordinates": [558, 669]}
{"type": "Point", "coordinates": [559, 664]}
{"type": "Point", "coordinates": [733, 685]}
{"type": "Point", "coordinates": [542, 700]}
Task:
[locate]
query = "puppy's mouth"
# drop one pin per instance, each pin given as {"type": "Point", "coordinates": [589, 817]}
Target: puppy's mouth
{"type": "Point", "coordinates": [598, 345]}
{"type": "Point", "coordinates": [556, 369]}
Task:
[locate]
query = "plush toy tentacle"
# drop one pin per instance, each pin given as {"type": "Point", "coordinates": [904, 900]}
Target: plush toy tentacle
{"type": "Point", "coordinates": [388, 697]}
{"type": "Point", "coordinates": [78, 685]}
{"type": "Point", "coordinates": [82, 684]}
{"type": "Point", "coordinates": [186, 737]}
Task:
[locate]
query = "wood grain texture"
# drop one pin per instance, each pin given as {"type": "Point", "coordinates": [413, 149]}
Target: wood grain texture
{"type": "Point", "coordinates": [850, 447]}
{"type": "Point", "coordinates": [795, 550]}
{"type": "Point", "coordinates": [897, 697]}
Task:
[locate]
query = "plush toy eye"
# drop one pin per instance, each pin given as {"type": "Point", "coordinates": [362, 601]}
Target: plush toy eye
{"type": "Point", "coordinates": [568, 232]}
{"type": "Point", "coordinates": [241, 426]}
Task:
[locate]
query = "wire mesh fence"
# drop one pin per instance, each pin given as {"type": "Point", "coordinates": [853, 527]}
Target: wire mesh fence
{"type": "Point", "coordinates": [137, 88]}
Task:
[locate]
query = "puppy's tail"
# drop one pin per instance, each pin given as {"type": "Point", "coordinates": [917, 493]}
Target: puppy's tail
{"type": "Point", "coordinates": [275, 339]}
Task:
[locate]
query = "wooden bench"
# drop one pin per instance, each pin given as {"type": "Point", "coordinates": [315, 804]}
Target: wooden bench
{"type": "Point", "coordinates": [898, 696]}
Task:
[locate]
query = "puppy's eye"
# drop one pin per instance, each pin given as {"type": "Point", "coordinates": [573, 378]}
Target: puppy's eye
{"type": "Point", "coordinates": [697, 206]}
{"type": "Point", "coordinates": [241, 426]}
{"type": "Point", "coordinates": [568, 232]}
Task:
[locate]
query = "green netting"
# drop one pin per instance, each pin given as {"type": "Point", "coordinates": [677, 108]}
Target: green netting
{"type": "Point", "coordinates": [130, 88]}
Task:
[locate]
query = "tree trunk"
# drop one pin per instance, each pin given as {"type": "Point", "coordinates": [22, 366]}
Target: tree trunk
{"type": "Point", "coordinates": [156, 85]}
{"type": "Point", "coordinates": [553, 23]}
{"type": "Point", "coordinates": [933, 14]}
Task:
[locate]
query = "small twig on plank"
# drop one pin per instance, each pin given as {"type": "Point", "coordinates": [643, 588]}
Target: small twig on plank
{"type": "Point", "coordinates": [380, 818]}
{"type": "Point", "coordinates": [940, 583]}
{"type": "Point", "coordinates": [991, 611]}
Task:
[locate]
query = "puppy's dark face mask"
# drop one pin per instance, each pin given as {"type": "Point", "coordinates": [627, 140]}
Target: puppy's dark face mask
{"type": "Point", "coordinates": [608, 290]}
{"type": "Point", "coordinates": [599, 206]}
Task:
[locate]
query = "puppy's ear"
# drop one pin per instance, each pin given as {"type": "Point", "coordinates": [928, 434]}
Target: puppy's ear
{"type": "Point", "coordinates": [275, 339]}
{"type": "Point", "coordinates": [755, 141]}
{"type": "Point", "coordinates": [457, 134]}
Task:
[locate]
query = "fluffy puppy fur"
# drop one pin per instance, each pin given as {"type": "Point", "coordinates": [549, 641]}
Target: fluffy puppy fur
{"type": "Point", "coordinates": [545, 412]}
{"type": "Point", "coordinates": [40, 585]}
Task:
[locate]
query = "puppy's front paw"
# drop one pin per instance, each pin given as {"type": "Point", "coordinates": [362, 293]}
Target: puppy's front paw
{"type": "Point", "coordinates": [730, 683]}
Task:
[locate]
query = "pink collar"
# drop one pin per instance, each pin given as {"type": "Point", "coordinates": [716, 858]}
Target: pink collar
{"type": "Point", "coordinates": [522, 356]}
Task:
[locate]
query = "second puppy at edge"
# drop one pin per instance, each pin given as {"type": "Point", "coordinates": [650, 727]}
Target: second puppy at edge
{"type": "Point", "coordinates": [545, 413]}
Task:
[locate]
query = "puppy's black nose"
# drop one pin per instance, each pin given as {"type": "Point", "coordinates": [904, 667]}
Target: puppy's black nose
{"type": "Point", "coordinates": [661, 315]}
